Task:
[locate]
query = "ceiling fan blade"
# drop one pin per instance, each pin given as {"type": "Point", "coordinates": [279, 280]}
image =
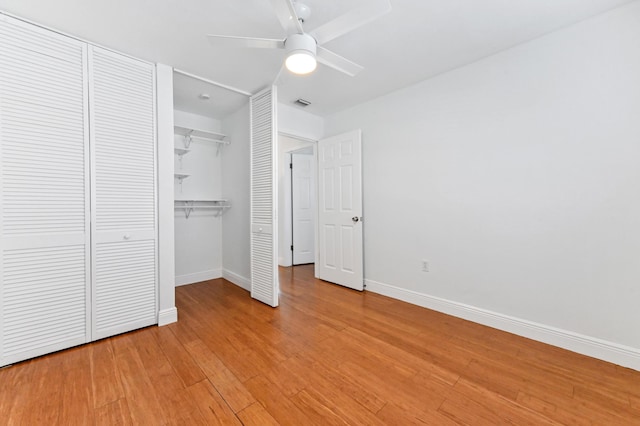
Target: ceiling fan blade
{"type": "Point", "coordinates": [351, 20]}
{"type": "Point", "coordinates": [235, 42]}
{"type": "Point", "coordinates": [287, 16]}
{"type": "Point", "coordinates": [337, 62]}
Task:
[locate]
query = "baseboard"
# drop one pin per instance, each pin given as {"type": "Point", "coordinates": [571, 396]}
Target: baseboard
{"type": "Point", "coordinates": [597, 348]}
{"type": "Point", "coordinates": [168, 316]}
{"type": "Point", "coordinates": [197, 277]}
{"type": "Point", "coordinates": [236, 279]}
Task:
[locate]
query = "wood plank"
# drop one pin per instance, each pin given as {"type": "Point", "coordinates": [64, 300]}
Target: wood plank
{"type": "Point", "coordinates": [213, 408]}
{"type": "Point", "coordinates": [77, 405]}
{"type": "Point", "coordinates": [140, 391]}
{"type": "Point", "coordinates": [176, 404]}
{"type": "Point", "coordinates": [256, 415]}
{"type": "Point", "coordinates": [421, 362]}
{"type": "Point", "coordinates": [183, 364]}
{"type": "Point", "coordinates": [322, 400]}
{"type": "Point", "coordinates": [552, 411]}
{"type": "Point", "coordinates": [106, 386]}
{"type": "Point", "coordinates": [392, 389]}
{"type": "Point", "coordinates": [313, 368]}
{"type": "Point", "coordinates": [45, 397]}
{"type": "Point", "coordinates": [391, 414]}
{"type": "Point", "coordinates": [10, 389]}
{"type": "Point", "coordinates": [223, 380]}
{"type": "Point", "coordinates": [473, 404]}
{"type": "Point", "coordinates": [18, 389]}
{"type": "Point", "coordinates": [317, 409]}
{"type": "Point", "coordinates": [113, 414]}
{"type": "Point", "coordinates": [280, 407]}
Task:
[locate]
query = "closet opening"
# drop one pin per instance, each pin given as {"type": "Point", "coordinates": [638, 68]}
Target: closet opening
{"type": "Point", "coordinates": [204, 196]}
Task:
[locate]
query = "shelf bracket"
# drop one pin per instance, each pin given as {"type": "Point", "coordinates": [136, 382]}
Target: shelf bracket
{"type": "Point", "coordinates": [180, 179]}
{"type": "Point", "coordinates": [188, 139]}
{"type": "Point", "coordinates": [188, 208]}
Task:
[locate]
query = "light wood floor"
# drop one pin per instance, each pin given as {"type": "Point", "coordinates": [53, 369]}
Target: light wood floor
{"type": "Point", "coordinates": [327, 356]}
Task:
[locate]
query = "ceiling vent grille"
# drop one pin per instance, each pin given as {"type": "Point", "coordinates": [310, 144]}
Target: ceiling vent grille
{"type": "Point", "coordinates": [301, 102]}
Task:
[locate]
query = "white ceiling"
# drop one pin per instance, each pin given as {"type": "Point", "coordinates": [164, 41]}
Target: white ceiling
{"type": "Point", "coordinates": [417, 40]}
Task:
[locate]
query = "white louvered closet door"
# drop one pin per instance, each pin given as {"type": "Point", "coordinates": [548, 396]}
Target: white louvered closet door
{"type": "Point", "coordinates": [264, 267]}
{"type": "Point", "coordinates": [44, 184]}
{"type": "Point", "coordinates": [124, 223]}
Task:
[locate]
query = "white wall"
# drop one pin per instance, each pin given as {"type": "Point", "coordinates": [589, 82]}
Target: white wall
{"type": "Point", "coordinates": [198, 239]}
{"type": "Point", "coordinates": [235, 187]}
{"type": "Point", "coordinates": [517, 178]}
{"type": "Point", "coordinates": [296, 122]}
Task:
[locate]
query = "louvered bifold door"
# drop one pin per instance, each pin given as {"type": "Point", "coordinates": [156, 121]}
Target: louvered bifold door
{"type": "Point", "coordinates": [264, 269]}
{"type": "Point", "coordinates": [123, 151]}
{"type": "Point", "coordinates": [44, 220]}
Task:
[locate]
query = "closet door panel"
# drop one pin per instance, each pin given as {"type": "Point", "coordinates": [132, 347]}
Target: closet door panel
{"type": "Point", "coordinates": [264, 266]}
{"type": "Point", "coordinates": [122, 92]}
{"type": "Point", "coordinates": [44, 202]}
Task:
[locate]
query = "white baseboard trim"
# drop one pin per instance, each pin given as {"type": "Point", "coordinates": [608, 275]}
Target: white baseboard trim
{"type": "Point", "coordinates": [236, 279]}
{"type": "Point", "coordinates": [197, 277]}
{"type": "Point", "coordinates": [597, 348]}
{"type": "Point", "coordinates": [168, 316]}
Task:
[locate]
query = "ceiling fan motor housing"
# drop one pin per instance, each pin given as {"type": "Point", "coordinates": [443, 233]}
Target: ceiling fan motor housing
{"type": "Point", "coordinates": [300, 43]}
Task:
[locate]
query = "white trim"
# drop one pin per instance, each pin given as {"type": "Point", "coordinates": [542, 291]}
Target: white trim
{"type": "Point", "coordinates": [300, 138]}
{"type": "Point", "coordinates": [591, 346]}
{"type": "Point", "coordinates": [168, 316]}
{"type": "Point", "coordinates": [165, 189]}
{"type": "Point", "coordinates": [197, 277]}
{"type": "Point", "coordinates": [236, 279]}
{"type": "Point", "coordinates": [215, 83]}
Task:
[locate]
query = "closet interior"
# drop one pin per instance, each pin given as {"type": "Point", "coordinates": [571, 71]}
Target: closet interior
{"type": "Point", "coordinates": [202, 200]}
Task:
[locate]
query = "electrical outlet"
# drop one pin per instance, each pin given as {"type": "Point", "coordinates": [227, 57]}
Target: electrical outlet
{"type": "Point", "coordinates": [425, 266]}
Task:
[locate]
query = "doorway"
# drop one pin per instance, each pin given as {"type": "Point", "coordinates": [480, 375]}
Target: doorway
{"type": "Point", "coordinates": [303, 206]}
{"type": "Point", "coordinates": [296, 200]}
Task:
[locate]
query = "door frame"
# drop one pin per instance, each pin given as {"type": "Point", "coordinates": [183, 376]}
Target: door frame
{"type": "Point", "coordinates": [286, 192]}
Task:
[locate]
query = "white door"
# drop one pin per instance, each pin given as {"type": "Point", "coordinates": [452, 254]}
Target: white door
{"type": "Point", "coordinates": [264, 262]}
{"type": "Point", "coordinates": [303, 196]}
{"type": "Point", "coordinates": [124, 225]}
{"type": "Point", "coordinates": [44, 192]}
{"type": "Point", "coordinates": [340, 210]}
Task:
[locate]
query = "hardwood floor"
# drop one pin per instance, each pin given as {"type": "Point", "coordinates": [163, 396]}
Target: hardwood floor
{"type": "Point", "coordinates": [326, 356]}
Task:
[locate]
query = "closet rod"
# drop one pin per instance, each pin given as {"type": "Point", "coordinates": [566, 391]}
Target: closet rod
{"type": "Point", "coordinates": [204, 138]}
{"type": "Point", "coordinates": [206, 80]}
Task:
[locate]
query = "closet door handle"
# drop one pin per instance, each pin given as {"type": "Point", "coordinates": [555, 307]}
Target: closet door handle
{"type": "Point", "coordinates": [126, 236]}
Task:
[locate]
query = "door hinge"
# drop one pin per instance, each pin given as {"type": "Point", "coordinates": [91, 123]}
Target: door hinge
{"type": "Point", "coordinates": [292, 248]}
{"type": "Point", "coordinates": [291, 165]}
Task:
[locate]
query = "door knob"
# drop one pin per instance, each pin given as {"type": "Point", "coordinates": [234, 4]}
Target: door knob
{"type": "Point", "coordinates": [355, 219]}
{"type": "Point", "coordinates": [127, 236]}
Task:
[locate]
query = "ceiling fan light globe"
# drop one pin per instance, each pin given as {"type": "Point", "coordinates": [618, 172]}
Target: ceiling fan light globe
{"type": "Point", "coordinates": [302, 10]}
{"type": "Point", "coordinates": [301, 62]}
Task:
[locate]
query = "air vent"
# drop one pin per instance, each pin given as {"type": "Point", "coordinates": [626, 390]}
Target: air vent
{"type": "Point", "coordinates": [302, 102]}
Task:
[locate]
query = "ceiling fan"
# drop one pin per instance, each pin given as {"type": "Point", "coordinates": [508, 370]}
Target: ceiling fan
{"type": "Point", "coordinates": [304, 49]}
